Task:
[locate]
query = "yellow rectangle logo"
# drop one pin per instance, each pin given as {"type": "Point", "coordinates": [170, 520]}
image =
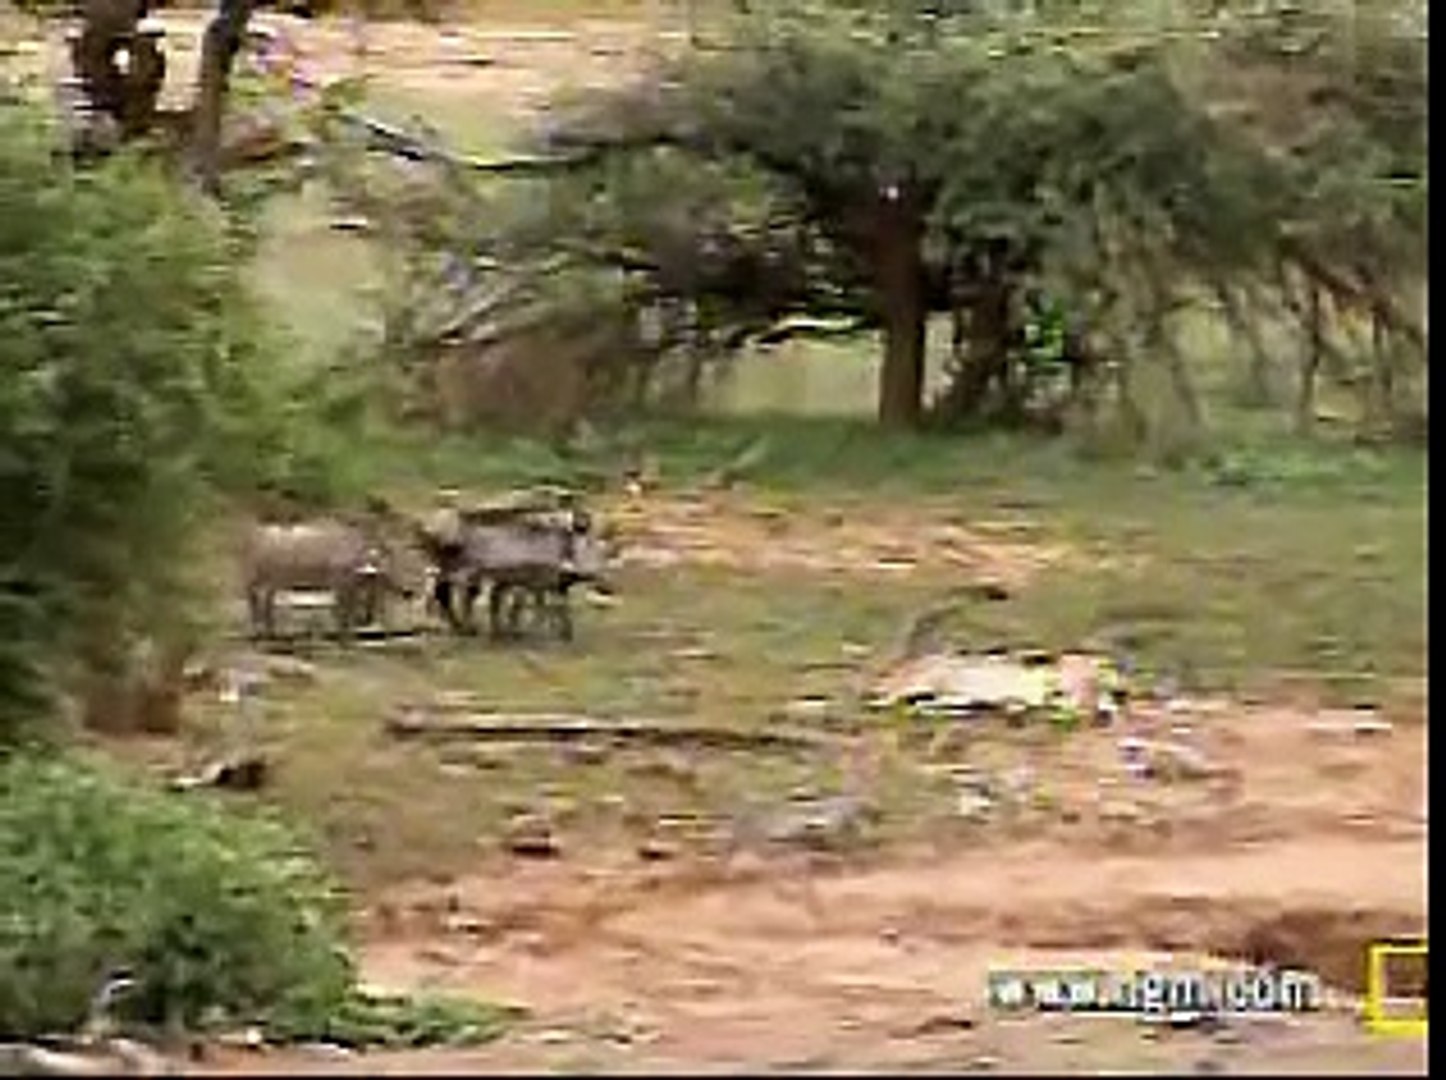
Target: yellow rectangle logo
{"type": "Point", "coordinates": [1391, 1008]}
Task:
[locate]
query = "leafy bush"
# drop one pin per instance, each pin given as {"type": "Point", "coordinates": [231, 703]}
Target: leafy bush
{"type": "Point", "coordinates": [135, 383]}
{"type": "Point", "coordinates": [217, 918]}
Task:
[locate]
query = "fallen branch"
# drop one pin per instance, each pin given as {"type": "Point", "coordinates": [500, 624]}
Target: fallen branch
{"type": "Point", "coordinates": [401, 143]}
{"type": "Point", "coordinates": [362, 636]}
{"type": "Point", "coordinates": [411, 723]}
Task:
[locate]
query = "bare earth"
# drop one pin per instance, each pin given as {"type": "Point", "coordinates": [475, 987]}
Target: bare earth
{"type": "Point", "coordinates": [1314, 845]}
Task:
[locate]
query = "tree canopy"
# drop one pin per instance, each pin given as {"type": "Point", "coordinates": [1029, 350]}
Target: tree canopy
{"type": "Point", "coordinates": [873, 166]}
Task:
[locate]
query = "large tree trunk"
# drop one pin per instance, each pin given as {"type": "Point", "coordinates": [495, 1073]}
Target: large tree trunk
{"type": "Point", "coordinates": [219, 46]}
{"type": "Point", "coordinates": [106, 25]}
{"type": "Point", "coordinates": [900, 284]}
{"type": "Point", "coordinates": [988, 329]}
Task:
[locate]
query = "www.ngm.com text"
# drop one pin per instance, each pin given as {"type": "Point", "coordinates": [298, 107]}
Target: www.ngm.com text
{"type": "Point", "coordinates": [1168, 993]}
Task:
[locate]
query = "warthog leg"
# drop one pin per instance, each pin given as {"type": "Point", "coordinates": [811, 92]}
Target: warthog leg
{"type": "Point", "coordinates": [497, 614]}
{"type": "Point", "coordinates": [261, 603]}
{"type": "Point", "coordinates": [560, 610]}
{"type": "Point", "coordinates": [507, 604]}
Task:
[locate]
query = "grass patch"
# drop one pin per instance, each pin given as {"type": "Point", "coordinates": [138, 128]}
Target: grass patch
{"type": "Point", "coordinates": [401, 1022]}
{"type": "Point", "coordinates": [1260, 555]}
{"type": "Point", "coordinates": [1317, 572]}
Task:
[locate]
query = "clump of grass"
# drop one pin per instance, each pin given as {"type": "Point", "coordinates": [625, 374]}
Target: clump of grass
{"type": "Point", "coordinates": [396, 1021]}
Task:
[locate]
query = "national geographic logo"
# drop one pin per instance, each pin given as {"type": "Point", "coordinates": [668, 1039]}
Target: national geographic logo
{"type": "Point", "coordinates": [1396, 987]}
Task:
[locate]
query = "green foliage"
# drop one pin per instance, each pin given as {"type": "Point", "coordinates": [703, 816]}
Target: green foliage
{"type": "Point", "coordinates": [1124, 160]}
{"type": "Point", "coordinates": [217, 918]}
{"type": "Point", "coordinates": [136, 383]}
{"type": "Point", "coordinates": [220, 919]}
{"type": "Point", "coordinates": [399, 1022]}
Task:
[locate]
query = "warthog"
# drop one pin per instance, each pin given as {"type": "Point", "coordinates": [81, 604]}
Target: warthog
{"type": "Point", "coordinates": [529, 561]}
{"type": "Point", "coordinates": [358, 569]}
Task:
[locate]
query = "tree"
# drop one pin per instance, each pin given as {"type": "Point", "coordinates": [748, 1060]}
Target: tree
{"type": "Point", "coordinates": [869, 169]}
{"type": "Point", "coordinates": [958, 164]}
{"type": "Point", "coordinates": [124, 98]}
{"type": "Point", "coordinates": [133, 387]}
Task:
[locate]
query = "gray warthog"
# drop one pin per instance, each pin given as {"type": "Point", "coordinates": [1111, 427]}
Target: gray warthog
{"type": "Point", "coordinates": [528, 563]}
{"type": "Point", "coordinates": [357, 567]}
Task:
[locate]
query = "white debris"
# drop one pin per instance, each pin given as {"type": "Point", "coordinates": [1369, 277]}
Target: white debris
{"type": "Point", "coordinates": [1078, 684]}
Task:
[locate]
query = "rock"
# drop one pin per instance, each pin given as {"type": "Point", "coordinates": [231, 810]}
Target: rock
{"type": "Point", "coordinates": [1172, 760]}
{"type": "Point", "coordinates": [667, 765]}
{"type": "Point", "coordinates": [1350, 722]}
{"type": "Point", "coordinates": [288, 668]}
{"type": "Point", "coordinates": [656, 849]}
{"type": "Point", "coordinates": [982, 1063]}
{"type": "Point", "coordinates": [1125, 812]}
{"type": "Point", "coordinates": [436, 954]}
{"type": "Point", "coordinates": [822, 824]}
{"type": "Point", "coordinates": [804, 709]}
{"type": "Point", "coordinates": [943, 1022]}
{"type": "Point", "coordinates": [531, 836]}
{"type": "Point", "coordinates": [1177, 759]}
{"type": "Point", "coordinates": [974, 806]}
{"type": "Point", "coordinates": [467, 925]}
{"type": "Point", "coordinates": [248, 773]}
{"type": "Point", "coordinates": [1019, 783]}
{"type": "Point", "coordinates": [584, 753]}
{"type": "Point", "coordinates": [329, 1050]}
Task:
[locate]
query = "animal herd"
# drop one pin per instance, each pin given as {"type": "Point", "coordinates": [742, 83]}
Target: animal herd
{"type": "Point", "coordinates": [527, 560]}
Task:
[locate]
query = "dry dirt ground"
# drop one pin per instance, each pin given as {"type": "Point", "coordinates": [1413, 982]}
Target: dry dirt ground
{"type": "Point", "coordinates": [789, 966]}
{"type": "Point", "coordinates": [1304, 847]}
{"type": "Point", "coordinates": [1306, 841]}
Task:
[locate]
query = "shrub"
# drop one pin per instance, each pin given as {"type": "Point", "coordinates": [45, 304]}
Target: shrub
{"type": "Point", "coordinates": [136, 383]}
{"type": "Point", "coordinates": [218, 917]}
